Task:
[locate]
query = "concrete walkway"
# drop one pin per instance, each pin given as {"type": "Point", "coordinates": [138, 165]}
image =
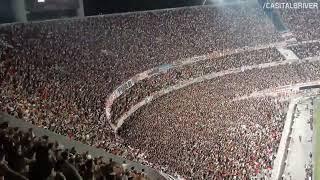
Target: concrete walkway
{"type": "Point", "coordinates": [300, 148]}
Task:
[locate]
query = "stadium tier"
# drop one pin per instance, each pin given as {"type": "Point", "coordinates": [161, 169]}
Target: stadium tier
{"type": "Point", "coordinates": [192, 92]}
{"type": "Point", "coordinates": [303, 22]}
{"type": "Point", "coordinates": [37, 153]}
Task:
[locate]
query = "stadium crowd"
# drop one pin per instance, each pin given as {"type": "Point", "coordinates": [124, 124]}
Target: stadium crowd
{"type": "Point", "coordinates": [26, 156]}
{"type": "Point", "coordinates": [175, 75]}
{"type": "Point", "coordinates": [58, 74]}
{"type": "Point", "coordinates": [209, 107]}
{"type": "Point", "coordinates": [210, 143]}
{"type": "Point", "coordinates": [306, 50]}
{"type": "Point", "coordinates": [303, 22]}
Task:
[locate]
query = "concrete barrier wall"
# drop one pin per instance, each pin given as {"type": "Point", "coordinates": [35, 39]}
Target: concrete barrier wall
{"type": "Point", "coordinates": [80, 147]}
{"type": "Point", "coordinates": [279, 162]}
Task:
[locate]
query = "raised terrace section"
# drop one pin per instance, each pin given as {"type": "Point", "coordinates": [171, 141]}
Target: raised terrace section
{"type": "Point", "coordinates": [58, 75]}
{"type": "Point", "coordinates": [105, 164]}
{"type": "Point", "coordinates": [178, 74]}
{"type": "Point", "coordinates": [137, 41]}
{"type": "Point", "coordinates": [306, 50]}
{"type": "Point", "coordinates": [65, 69]}
{"type": "Point", "coordinates": [203, 125]}
{"type": "Point", "coordinates": [304, 23]}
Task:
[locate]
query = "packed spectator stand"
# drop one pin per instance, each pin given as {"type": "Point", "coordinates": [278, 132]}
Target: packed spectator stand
{"type": "Point", "coordinates": [155, 83]}
{"type": "Point", "coordinates": [306, 50]}
{"type": "Point", "coordinates": [189, 111]}
{"type": "Point", "coordinates": [57, 75]}
{"type": "Point", "coordinates": [26, 155]}
{"type": "Point", "coordinates": [303, 22]}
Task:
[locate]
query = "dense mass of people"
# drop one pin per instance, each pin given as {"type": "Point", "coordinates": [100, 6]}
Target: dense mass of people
{"type": "Point", "coordinates": [229, 140]}
{"type": "Point", "coordinates": [306, 50]}
{"type": "Point", "coordinates": [303, 22]}
{"type": "Point", "coordinates": [203, 116]}
{"type": "Point", "coordinates": [65, 69]}
{"type": "Point", "coordinates": [57, 75]}
{"type": "Point", "coordinates": [26, 156]}
{"type": "Point", "coordinates": [175, 75]}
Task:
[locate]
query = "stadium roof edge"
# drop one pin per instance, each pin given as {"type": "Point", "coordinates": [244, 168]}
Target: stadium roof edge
{"type": "Point", "coordinates": [129, 13]}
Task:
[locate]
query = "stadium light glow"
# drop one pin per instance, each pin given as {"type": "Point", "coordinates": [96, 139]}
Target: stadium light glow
{"type": "Point", "coordinates": [204, 2]}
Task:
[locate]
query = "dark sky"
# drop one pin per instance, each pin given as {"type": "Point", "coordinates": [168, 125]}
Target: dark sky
{"type": "Point", "coordinates": [5, 15]}
{"type": "Point", "coordinates": [94, 7]}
